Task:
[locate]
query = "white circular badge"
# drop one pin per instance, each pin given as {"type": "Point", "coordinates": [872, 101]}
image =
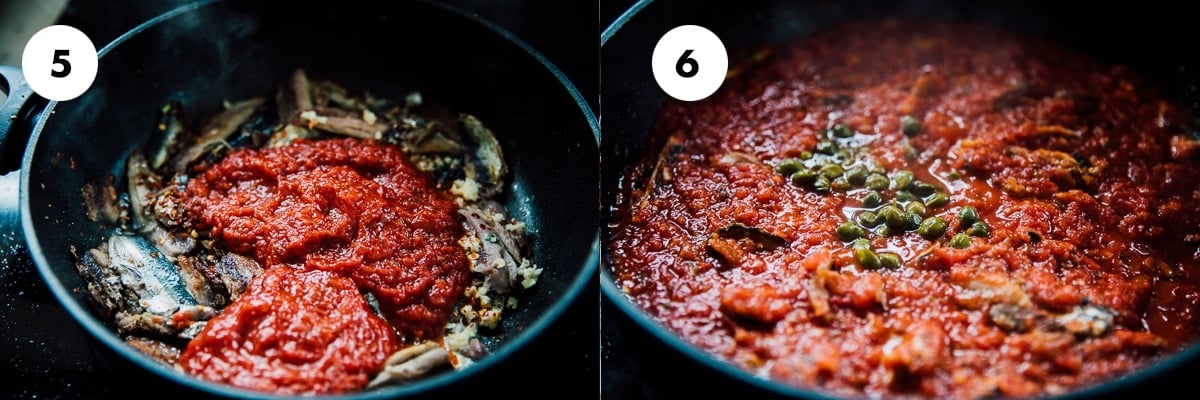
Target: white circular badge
{"type": "Point", "coordinates": [59, 62]}
{"type": "Point", "coordinates": [689, 62]}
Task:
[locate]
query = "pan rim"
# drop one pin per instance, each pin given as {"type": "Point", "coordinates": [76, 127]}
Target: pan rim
{"type": "Point", "coordinates": [103, 334]}
{"type": "Point", "coordinates": [663, 334]}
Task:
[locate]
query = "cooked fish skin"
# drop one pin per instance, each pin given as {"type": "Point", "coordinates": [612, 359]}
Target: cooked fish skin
{"type": "Point", "coordinates": [329, 93]}
{"type": "Point", "coordinates": [487, 167]}
{"type": "Point", "coordinates": [145, 186]}
{"type": "Point", "coordinates": [105, 288]}
{"type": "Point", "coordinates": [197, 283]}
{"type": "Point", "coordinates": [256, 130]}
{"type": "Point", "coordinates": [411, 363]}
{"type": "Point", "coordinates": [428, 130]}
{"type": "Point", "coordinates": [172, 128]}
{"type": "Point", "coordinates": [171, 244]}
{"type": "Point", "coordinates": [135, 283]}
{"type": "Point", "coordinates": [142, 182]}
{"type": "Point", "coordinates": [156, 349]}
{"type": "Point", "coordinates": [340, 122]}
{"type": "Point", "coordinates": [218, 128]}
{"type": "Point", "coordinates": [1083, 321]}
{"type": "Point", "coordinates": [168, 204]}
{"type": "Point", "coordinates": [101, 202]}
{"type": "Point", "coordinates": [294, 95]}
{"type": "Point", "coordinates": [1088, 320]}
{"type": "Point", "coordinates": [494, 250]}
{"type": "Point", "coordinates": [226, 273]}
{"type": "Point", "coordinates": [235, 271]}
{"type": "Point", "coordinates": [422, 138]}
{"type": "Point", "coordinates": [162, 289]}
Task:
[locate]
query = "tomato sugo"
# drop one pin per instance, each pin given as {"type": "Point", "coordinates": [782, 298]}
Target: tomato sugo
{"type": "Point", "coordinates": [907, 208]}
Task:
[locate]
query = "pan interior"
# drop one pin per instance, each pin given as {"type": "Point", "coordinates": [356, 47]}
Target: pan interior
{"type": "Point", "coordinates": [209, 53]}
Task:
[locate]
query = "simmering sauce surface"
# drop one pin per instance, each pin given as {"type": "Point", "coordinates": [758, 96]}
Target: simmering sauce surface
{"type": "Point", "coordinates": [908, 208]}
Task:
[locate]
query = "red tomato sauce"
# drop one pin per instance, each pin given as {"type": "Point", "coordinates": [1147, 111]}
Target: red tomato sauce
{"type": "Point", "coordinates": [354, 209]}
{"type": "Point", "coordinates": [293, 332]}
{"type": "Point", "coordinates": [1084, 177]}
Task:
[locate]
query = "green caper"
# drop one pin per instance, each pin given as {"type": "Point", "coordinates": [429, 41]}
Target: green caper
{"type": "Point", "coordinates": [876, 182]}
{"type": "Point", "coordinates": [979, 229]}
{"type": "Point", "coordinates": [789, 166]}
{"type": "Point", "coordinates": [868, 219]}
{"type": "Point", "coordinates": [803, 177]}
{"type": "Point", "coordinates": [806, 155]}
{"type": "Point", "coordinates": [889, 260]}
{"type": "Point", "coordinates": [882, 229]}
{"type": "Point", "coordinates": [967, 216]}
{"type": "Point", "coordinates": [848, 231]}
{"type": "Point", "coordinates": [893, 217]}
{"type": "Point", "coordinates": [856, 175]}
{"type": "Point", "coordinates": [909, 125]}
{"type": "Point", "coordinates": [923, 188]}
{"type": "Point", "coordinates": [843, 155]}
{"type": "Point", "coordinates": [937, 199]}
{"type": "Point", "coordinates": [914, 220]}
{"type": "Point", "coordinates": [866, 258]}
{"type": "Point", "coordinates": [876, 169]}
{"type": "Point", "coordinates": [954, 175]}
{"type": "Point", "coordinates": [861, 243]}
{"type": "Point", "coordinates": [910, 152]}
{"type": "Point", "coordinates": [905, 196]}
{"type": "Point", "coordinates": [901, 180]}
{"type": "Point", "coordinates": [960, 241]}
{"type": "Point", "coordinates": [840, 184]}
{"type": "Point", "coordinates": [821, 184]}
{"type": "Point", "coordinates": [843, 131]}
{"type": "Point", "coordinates": [872, 199]}
{"type": "Point", "coordinates": [826, 147]}
{"type": "Point", "coordinates": [915, 207]}
{"type": "Point", "coordinates": [830, 170]}
{"type": "Point", "coordinates": [932, 228]}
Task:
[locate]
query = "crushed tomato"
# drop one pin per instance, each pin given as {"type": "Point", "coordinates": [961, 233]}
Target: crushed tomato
{"type": "Point", "coordinates": [354, 214]}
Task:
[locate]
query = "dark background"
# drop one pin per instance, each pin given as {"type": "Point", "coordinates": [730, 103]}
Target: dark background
{"type": "Point", "coordinates": [48, 355]}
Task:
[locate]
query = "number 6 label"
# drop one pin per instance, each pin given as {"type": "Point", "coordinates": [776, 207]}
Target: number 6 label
{"type": "Point", "coordinates": [687, 66]}
{"type": "Point", "coordinates": [689, 63]}
{"type": "Point", "coordinates": [59, 62]}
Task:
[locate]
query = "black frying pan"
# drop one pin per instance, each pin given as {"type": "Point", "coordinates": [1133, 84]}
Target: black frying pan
{"type": "Point", "coordinates": [1155, 39]}
{"type": "Point", "coordinates": [208, 52]}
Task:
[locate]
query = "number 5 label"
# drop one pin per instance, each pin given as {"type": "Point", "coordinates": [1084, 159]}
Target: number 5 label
{"type": "Point", "coordinates": [66, 65]}
{"type": "Point", "coordinates": [689, 62]}
{"type": "Point", "coordinates": [59, 62]}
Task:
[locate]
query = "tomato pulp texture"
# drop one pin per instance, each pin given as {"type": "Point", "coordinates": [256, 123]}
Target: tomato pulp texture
{"type": "Point", "coordinates": [293, 332]}
{"type": "Point", "coordinates": [759, 231]}
{"type": "Point", "coordinates": [354, 214]}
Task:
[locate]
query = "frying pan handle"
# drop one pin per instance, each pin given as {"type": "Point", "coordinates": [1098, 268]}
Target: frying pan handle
{"type": "Point", "coordinates": [19, 92]}
{"type": "Point", "coordinates": [10, 212]}
{"type": "Point", "coordinates": [12, 81]}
